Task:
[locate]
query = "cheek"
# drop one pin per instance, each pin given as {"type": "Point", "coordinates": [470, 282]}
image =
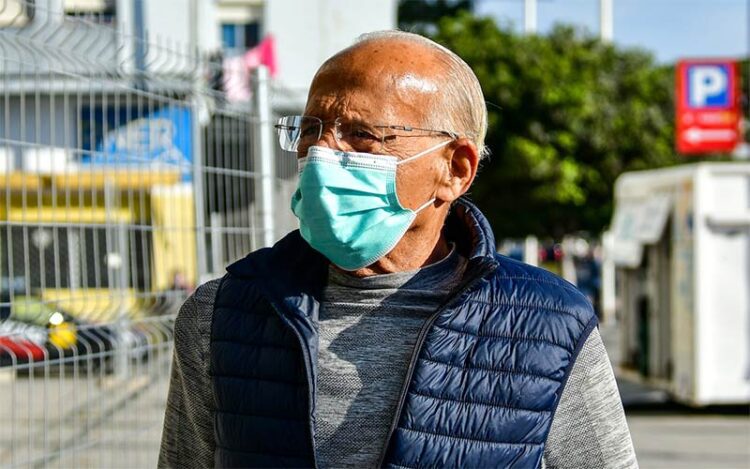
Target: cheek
{"type": "Point", "coordinates": [416, 182]}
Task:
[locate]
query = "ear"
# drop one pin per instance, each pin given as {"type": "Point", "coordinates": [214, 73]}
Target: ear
{"type": "Point", "coordinates": [462, 159]}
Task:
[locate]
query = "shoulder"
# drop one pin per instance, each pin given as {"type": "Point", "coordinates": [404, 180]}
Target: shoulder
{"type": "Point", "coordinates": [512, 270]}
{"type": "Point", "coordinates": [200, 303]}
{"type": "Point", "coordinates": [205, 294]}
{"type": "Point", "coordinates": [193, 322]}
{"type": "Point", "coordinates": [288, 256]}
{"type": "Point", "coordinates": [281, 271]}
{"type": "Point", "coordinates": [522, 286]}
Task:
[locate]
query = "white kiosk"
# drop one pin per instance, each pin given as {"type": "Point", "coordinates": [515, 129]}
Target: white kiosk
{"type": "Point", "coordinates": [682, 254]}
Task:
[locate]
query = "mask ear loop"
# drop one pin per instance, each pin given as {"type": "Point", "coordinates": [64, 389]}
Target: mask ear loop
{"type": "Point", "coordinates": [419, 155]}
{"type": "Point", "coordinates": [425, 205]}
{"type": "Point", "coordinates": [422, 153]}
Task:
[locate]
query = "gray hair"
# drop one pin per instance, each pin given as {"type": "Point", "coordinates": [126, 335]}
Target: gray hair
{"type": "Point", "coordinates": [460, 107]}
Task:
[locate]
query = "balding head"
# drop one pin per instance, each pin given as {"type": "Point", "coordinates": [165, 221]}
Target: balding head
{"type": "Point", "coordinates": [417, 72]}
{"type": "Point", "coordinates": [408, 99]}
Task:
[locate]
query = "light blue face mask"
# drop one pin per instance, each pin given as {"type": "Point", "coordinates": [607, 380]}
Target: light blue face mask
{"type": "Point", "coordinates": [347, 204]}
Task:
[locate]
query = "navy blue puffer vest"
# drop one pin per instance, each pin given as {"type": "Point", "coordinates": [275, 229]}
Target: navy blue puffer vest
{"type": "Point", "coordinates": [487, 373]}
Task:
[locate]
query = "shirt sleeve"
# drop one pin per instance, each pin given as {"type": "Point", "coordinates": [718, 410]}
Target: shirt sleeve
{"type": "Point", "coordinates": [589, 427]}
{"type": "Point", "coordinates": [188, 434]}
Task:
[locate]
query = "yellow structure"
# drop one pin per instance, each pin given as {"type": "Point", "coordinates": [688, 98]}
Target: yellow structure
{"type": "Point", "coordinates": [173, 219]}
{"type": "Point", "coordinates": [154, 202]}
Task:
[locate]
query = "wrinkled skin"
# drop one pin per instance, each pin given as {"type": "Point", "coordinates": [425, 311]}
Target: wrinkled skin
{"type": "Point", "coordinates": [391, 81]}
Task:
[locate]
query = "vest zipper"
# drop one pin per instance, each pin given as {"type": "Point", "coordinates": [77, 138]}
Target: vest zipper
{"type": "Point", "coordinates": [467, 285]}
{"type": "Point", "coordinates": [308, 361]}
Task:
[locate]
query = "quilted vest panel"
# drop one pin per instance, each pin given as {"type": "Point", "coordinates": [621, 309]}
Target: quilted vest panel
{"type": "Point", "coordinates": [260, 384]}
{"type": "Point", "coordinates": [490, 373]}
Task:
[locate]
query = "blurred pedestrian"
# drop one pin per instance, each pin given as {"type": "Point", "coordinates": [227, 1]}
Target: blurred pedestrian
{"type": "Point", "coordinates": [386, 330]}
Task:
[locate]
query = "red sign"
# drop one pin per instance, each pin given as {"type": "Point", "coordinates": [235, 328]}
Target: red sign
{"type": "Point", "coordinates": [708, 106]}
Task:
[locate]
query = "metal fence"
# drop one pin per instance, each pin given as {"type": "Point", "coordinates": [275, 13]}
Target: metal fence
{"type": "Point", "coordinates": [126, 179]}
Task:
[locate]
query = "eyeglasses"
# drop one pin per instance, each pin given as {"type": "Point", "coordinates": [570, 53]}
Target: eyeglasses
{"type": "Point", "coordinates": [298, 133]}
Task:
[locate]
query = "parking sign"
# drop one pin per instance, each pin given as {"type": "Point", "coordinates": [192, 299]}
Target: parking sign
{"type": "Point", "coordinates": [708, 111]}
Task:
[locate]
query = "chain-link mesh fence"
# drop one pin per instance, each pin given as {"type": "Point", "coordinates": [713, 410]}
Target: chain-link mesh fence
{"type": "Point", "coordinates": [126, 178]}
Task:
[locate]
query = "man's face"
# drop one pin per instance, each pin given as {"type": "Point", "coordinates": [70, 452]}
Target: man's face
{"type": "Point", "coordinates": [384, 83]}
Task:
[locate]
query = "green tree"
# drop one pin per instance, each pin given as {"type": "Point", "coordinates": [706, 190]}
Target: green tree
{"type": "Point", "coordinates": [567, 115]}
{"type": "Point", "coordinates": [421, 16]}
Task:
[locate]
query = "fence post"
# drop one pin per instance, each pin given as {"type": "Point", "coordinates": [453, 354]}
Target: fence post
{"type": "Point", "coordinates": [264, 149]}
{"type": "Point", "coordinates": [198, 167]}
{"type": "Point", "coordinates": [531, 250]}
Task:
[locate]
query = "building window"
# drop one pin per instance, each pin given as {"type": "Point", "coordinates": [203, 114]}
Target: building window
{"type": "Point", "coordinates": [99, 11]}
{"type": "Point", "coordinates": [228, 36]}
{"type": "Point", "coordinates": [239, 37]}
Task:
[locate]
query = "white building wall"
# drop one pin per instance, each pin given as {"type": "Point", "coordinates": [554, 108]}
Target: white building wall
{"type": "Point", "coordinates": [307, 32]}
{"type": "Point", "coordinates": [722, 227]}
{"type": "Point", "coordinates": [46, 122]}
{"type": "Point", "coordinates": [174, 25]}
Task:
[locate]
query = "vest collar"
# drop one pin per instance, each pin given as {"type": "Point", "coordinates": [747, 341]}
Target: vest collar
{"type": "Point", "coordinates": [291, 266]}
{"type": "Point", "coordinates": [470, 230]}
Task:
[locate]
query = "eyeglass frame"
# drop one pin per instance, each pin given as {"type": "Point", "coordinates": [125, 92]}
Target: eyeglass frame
{"type": "Point", "coordinates": [337, 123]}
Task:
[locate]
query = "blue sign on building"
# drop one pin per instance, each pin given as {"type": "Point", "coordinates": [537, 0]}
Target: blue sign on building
{"type": "Point", "coordinates": [157, 138]}
{"type": "Point", "coordinates": [708, 86]}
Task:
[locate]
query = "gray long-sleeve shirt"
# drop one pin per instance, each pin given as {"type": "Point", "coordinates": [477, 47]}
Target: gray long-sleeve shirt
{"type": "Point", "coordinates": [588, 429]}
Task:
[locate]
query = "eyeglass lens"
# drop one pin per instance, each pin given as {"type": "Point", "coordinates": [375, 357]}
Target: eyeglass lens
{"type": "Point", "coordinates": [300, 132]}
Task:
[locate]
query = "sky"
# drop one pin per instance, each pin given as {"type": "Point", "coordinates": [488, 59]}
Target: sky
{"type": "Point", "coordinates": [671, 29]}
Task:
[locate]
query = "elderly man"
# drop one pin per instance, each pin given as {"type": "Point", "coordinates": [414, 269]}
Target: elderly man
{"type": "Point", "coordinates": [387, 331]}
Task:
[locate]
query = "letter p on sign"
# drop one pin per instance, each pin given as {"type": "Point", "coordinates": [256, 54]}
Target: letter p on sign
{"type": "Point", "coordinates": [708, 86]}
{"type": "Point", "coordinates": [707, 106]}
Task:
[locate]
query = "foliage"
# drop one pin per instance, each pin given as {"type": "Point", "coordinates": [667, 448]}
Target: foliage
{"type": "Point", "coordinates": [420, 16]}
{"type": "Point", "coordinates": [567, 115]}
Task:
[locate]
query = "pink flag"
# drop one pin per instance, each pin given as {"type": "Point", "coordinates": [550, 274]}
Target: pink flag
{"type": "Point", "coordinates": [263, 54]}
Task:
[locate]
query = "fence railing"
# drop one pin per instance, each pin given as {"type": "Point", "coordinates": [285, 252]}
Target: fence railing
{"type": "Point", "coordinates": [126, 178]}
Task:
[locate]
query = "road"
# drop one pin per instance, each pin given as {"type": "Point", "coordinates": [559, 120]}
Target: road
{"type": "Point", "coordinates": [668, 435]}
{"type": "Point", "coordinates": [679, 438]}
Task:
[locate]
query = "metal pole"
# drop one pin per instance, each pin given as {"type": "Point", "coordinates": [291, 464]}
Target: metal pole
{"type": "Point", "coordinates": [529, 17]}
{"type": "Point", "coordinates": [217, 251]}
{"type": "Point", "coordinates": [265, 154]}
{"type": "Point", "coordinates": [608, 293]}
{"type": "Point", "coordinates": [531, 250]}
{"type": "Point", "coordinates": [568, 261]}
{"type": "Point", "coordinates": [606, 20]}
{"type": "Point", "coordinates": [746, 118]}
{"type": "Point", "coordinates": [140, 44]}
{"type": "Point", "coordinates": [198, 172]}
{"type": "Point", "coordinates": [194, 39]}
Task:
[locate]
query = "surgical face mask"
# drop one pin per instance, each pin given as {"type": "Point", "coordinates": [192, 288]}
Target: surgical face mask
{"type": "Point", "coordinates": [347, 204]}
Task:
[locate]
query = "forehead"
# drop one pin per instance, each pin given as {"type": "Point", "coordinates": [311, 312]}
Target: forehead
{"type": "Point", "coordinates": [389, 81]}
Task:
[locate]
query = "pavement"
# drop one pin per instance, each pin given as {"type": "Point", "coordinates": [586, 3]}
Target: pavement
{"type": "Point", "coordinates": [83, 418]}
{"type": "Point", "coordinates": [96, 419]}
{"type": "Point", "coordinates": [669, 435]}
